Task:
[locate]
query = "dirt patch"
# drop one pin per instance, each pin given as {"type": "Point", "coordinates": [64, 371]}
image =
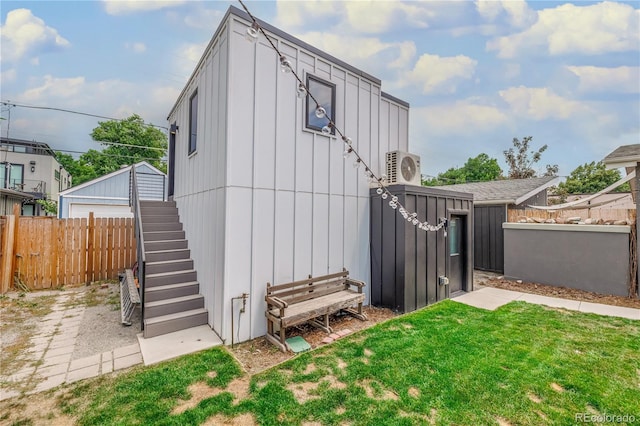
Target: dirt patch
{"type": "Point", "coordinates": [303, 392]}
{"type": "Point", "coordinates": [199, 391]}
{"type": "Point", "coordinates": [258, 354]}
{"type": "Point", "coordinates": [239, 388]}
{"type": "Point", "coordinates": [502, 422]}
{"type": "Point", "coordinates": [310, 369]}
{"type": "Point", "coordinates": [341, 410]}
{"type": "Point", "coordinates": [556, 387]}
{"type": "Point", "coordinates": [561, 292]}
{"type": "Point", "coordinates": [342, 365]}
{"type": "Point", "coordinates": [246, 419]}
{"type": "Point", "coordinates": [414, 392]}
{"type": "Point", "coordinates": [368, 353]}
{"type": "Point", "coordinates": [334, 383]}
{"type": "Point", "coordinates": [375, 390]}
{"type": "Point", "coordinates": [534, 398]}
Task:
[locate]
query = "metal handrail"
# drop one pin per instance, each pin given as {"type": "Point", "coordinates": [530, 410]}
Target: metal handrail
{"type": "Point", "coordinates": [134, 201]}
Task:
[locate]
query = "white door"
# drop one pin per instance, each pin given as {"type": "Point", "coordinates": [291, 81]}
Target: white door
{"type": "Point", "coordinates": [99, 210]}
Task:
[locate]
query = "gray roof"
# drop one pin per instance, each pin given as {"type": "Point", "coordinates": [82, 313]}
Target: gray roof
{"type": "Point", "coordinates": [623, 155]}
{"type": "Point", "coordinates": [508, 191]}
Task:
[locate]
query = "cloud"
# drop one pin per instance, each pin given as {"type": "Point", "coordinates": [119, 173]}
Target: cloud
{"type": "Point", "coordinates": [465, 117]}
{"type": "Point", "coordinates": [24, 34]}
{"type": "Point", "coordinates": [616, 80]}
{"type": "Point", "coordinates": [372, 54]}
{"type": "Point", "coordinates": [207, 19]}
{"type": "Point", "coordinates": [137, 47]}
{"type": "Point", "coordinates": [437, 74]}
{"type": "Point", "coordinates": [124, 7]}
{"type": "Point", "coordinates": [515, 12]}
{"type": "Point", "coordinates": [56, 88]}
{"type": "Point", "coordinates": [541, 103]}
{"type": "Point", "coordinates": [569, 29]}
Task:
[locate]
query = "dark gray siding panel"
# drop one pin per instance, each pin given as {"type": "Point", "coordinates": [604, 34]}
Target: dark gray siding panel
{"type": "Point", "coordinates": [407, 261]}
{"type": "Point", "coordinates": [488, 252]}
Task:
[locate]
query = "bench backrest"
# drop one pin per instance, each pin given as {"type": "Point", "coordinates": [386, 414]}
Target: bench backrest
{"type": "Point", "coordinates": [310, 288]}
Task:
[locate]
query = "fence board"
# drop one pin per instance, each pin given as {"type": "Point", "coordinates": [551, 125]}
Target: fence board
{"type": "Point", "coordinates": [50, 252]}
{"type": "Point", "coordinates": [604, 214]}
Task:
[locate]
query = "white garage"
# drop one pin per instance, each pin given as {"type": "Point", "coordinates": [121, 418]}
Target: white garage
{"type": "Point", "coordinates": [99, 210]}
{"type": "Point", "coordinates": [108, 195]}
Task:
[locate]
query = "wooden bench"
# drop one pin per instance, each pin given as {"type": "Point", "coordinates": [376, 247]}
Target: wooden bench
{"type": "Point", "coordinates": [311, 300]}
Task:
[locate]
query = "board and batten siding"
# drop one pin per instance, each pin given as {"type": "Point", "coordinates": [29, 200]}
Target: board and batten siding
{"type": "Point", "coordinates": [288, 204]}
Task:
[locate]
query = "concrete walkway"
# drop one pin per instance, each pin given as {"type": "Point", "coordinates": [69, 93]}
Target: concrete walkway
{"type": "Point", "coordinates": [51, 352]}
{"type": "Point", "coordinates": [492, 298]}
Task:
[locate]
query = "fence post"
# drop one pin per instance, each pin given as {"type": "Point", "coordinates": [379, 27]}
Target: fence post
{"type": "Point", "coordinates": [9, 250]}
{"type": "Point", "coordinates": [90, 254]}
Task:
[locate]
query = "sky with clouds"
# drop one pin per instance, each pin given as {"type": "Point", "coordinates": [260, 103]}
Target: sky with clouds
{"type": "Point", "coordinates": [476, 73]}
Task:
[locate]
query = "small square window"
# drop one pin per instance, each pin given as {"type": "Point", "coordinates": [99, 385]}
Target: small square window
{"type": "Point", "coordinates": [325, 94]}
{"type": "Point", "coordinates": [193, 122]}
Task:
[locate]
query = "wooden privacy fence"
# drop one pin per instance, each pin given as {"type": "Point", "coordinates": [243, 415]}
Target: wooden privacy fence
{"type": "Point", "coordinates": [46, 252]}
{"type": "Point", "coordinates": [604, 214]}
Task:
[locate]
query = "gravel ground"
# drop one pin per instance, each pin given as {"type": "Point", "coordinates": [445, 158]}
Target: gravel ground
{"type": "Point", "coordinates": [101, 330]}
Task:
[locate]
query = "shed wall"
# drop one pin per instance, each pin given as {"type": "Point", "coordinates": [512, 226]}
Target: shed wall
{"type": "Point", "coordinates": [406, 261]}
{"type": "Point", "coordinates": [587, 257]}
{"type": "Point", "coordinates": [489, 238]}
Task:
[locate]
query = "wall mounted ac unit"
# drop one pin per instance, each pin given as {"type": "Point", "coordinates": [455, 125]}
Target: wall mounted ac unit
{"type": "Point", "coordinates": [403, 168]}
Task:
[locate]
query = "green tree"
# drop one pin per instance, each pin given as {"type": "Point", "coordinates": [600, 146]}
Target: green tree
{"type": "Point", "coordinates": [126, 142]}
{"type": "Point", "coordinates": [477, 169]}
{"type": "Point", "coordinates": [590, 178]}
{"type": "Point", "coordinates": [521, 160]}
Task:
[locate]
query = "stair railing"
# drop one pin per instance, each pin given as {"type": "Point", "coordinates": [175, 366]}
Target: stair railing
{"type": "Point", "coordinates": [134, 202]}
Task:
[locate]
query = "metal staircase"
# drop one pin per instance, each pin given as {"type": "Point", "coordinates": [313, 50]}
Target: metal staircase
{"type": "Point", "coordinates": [169, 286]}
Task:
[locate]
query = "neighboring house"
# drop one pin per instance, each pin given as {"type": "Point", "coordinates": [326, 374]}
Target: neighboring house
{"type": "Point", "coordinates": [108, 195]}
{"type": "Point", "coordinates": [29, 171]}
{"type": "Point", "coordinates": [263, 194]}
{"type": "Point", "coordinates": [491, 201]}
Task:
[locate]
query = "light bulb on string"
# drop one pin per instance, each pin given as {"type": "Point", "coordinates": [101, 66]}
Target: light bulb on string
{"type": "Point", "coordinates": [356, 163]}
{"type": "Point", "coordinates": [393, 205]}
{"type": "Point", "coordinates": [383, 178]}
{"type": "Point", "coordinates": [321, 112]}
{"type": "Point", "coordinates": [302, 91]}
{"type": "Point", "coordinates": [380, 191]}
{"type": "Point", "coordinates": [348, 141]}
{"type": "Point", "coordinates": [346, 153]}
{"type": "Point", "coordinates": [394, 199]}
{"type": "Point", "coordinates": [285, 64]}
{"type": "Point", "coordinates": [384, 195]}
{"type": "Point", "coordinates": [326, 130]}
{"type": "Point", "coordinates": [252, 32]}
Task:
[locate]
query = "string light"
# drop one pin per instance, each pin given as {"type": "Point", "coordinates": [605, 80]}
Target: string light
{"type": "Point", "coordinates": [303, 92]}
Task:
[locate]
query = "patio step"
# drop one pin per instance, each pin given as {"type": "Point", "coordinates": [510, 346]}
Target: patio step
{"type": "Point", "coordinates": [174, 305]}
{"type": "Point", "coordinates": [173, 277]}
{"type": "Point", "coordinates": [160, 255]}
{"type": "Point", "coordinates": [168, 266]}
{"type": "Point", "coordinates": [169, 291]}
{"type": "Point", "coordinates": [158, 210]}
{"type": "Point", "coordinates": [174, 322]}
{"type": "Point", "coordinates": [150, 246]}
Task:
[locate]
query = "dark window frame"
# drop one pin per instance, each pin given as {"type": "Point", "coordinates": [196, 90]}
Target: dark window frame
{"type": "Point", "coordinates": [311, 105]}
{"type": "Point", "coordinates": [193, 123]}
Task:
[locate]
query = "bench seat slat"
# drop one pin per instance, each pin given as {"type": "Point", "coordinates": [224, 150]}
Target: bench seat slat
{"type": "Point", "coordinates": [317, 292]}
{"type": "Point", "coordinates": [290, 294]}
{"type": "Point", "coordinates": [308, 309]}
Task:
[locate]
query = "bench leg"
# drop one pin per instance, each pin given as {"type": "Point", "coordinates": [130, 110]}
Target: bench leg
{"type": "Point", "coordinates": [324, 326]}
{"type": "Point", "coordinates": [360, 315]}
{"type": "Point", "coordinates": [276, 342]}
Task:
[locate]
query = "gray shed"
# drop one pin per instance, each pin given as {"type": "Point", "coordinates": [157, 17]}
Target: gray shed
{"type": "Point", "coordinates": [108, 195]}
{"type": "Point", "coordinates": [491, 202]}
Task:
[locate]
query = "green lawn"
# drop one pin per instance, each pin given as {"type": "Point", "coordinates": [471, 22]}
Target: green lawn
{"type": "Point", "coordinates": [447, 364]}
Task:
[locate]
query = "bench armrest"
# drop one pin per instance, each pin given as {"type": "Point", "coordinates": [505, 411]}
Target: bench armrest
{"type": "Point", "coordinates": [277, 302]}
{"type": "Point", "coordinates": [357, 283]}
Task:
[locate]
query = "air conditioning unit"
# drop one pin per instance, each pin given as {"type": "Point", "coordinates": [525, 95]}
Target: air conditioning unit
{"type": "Point", "coordinates": [403, 168]}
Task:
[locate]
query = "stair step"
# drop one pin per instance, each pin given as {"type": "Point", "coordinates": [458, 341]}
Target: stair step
{"type": "Point", "coordinates": [164, 245]}
{"type": "Point", "coordinates": [161, 226]}
{"type": "Point", "coordinates": [174, 305]}
{"type": "Point", "coordinates": [174, 277]}
{"type": "Point", "coordinates": [169, 291]}
{"type": "Point", "coordinates": [160, 255]}
{"type": "Point", "coordinates": [153, 218]}
{"type": "Point", "coordinates": [174, 322]}
{"type": "Point", "coordinates": [158, 210]}
{"type": "Point", "coordinates": [168, 266]}
{"type": "Point", "coordinates": [163, 235]}
{"type": "Point", "coordinates": [156, 203]}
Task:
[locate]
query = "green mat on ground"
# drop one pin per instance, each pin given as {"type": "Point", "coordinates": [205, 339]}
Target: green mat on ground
{"type": "Point", "coordinates": [297, 344]}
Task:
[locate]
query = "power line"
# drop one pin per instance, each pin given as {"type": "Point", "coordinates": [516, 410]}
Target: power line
{"type": "Point", "coordinates": [9, 103]}
{"type": "Point", "coordinates": [133, 146]}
